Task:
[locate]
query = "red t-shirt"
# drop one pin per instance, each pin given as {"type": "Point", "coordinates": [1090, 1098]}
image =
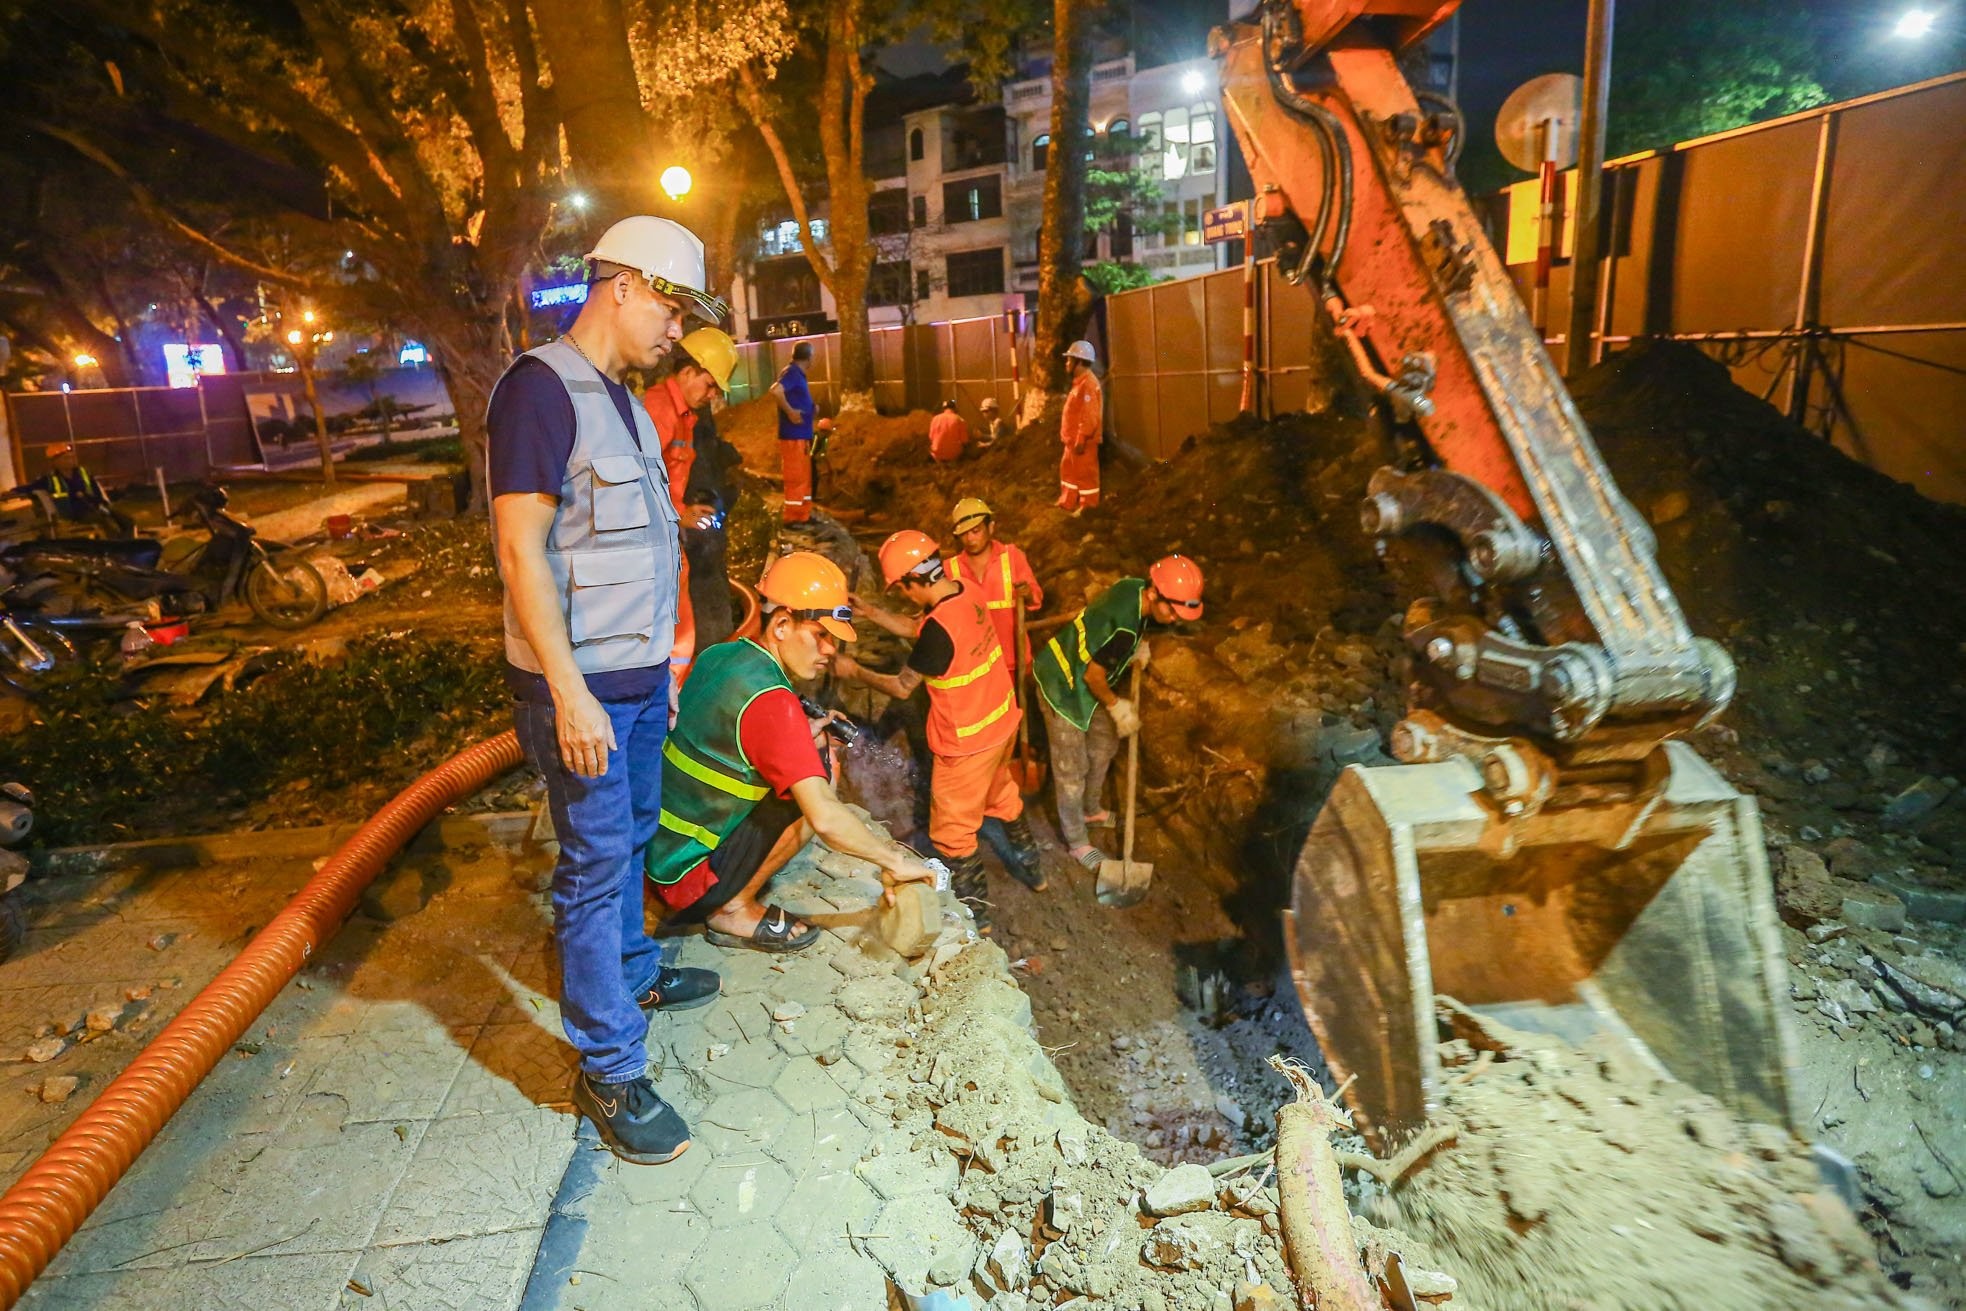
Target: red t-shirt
{"type": "Point", "coordinates": [778, 741]}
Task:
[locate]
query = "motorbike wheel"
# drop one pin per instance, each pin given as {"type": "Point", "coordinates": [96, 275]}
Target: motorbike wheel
{"type": "Point", "coordinates": [21, 668]}
{"type": "Point", "coordinates": [290, 594]}
{"type": "Point", "coordinates": [13, 928]}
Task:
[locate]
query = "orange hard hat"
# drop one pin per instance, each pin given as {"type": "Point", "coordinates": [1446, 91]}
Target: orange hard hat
{"type": "Point", "coordinates": [811, 587]}
{"type": "Point", "coordinates": [905, 553]}
{"type": "Point", "coordinates": [57, 450]}
{"type": "Point", "coordinates": [824, 425]}
{"type": "Point", "coordinates": [1178, 580]}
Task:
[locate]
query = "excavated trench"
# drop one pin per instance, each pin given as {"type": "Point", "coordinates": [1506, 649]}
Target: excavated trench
{"type": "Point", "coordinates": [1576, 1179]}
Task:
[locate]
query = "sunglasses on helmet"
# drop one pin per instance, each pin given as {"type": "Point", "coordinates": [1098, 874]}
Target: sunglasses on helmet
{"type": "Point", "coordinates": [843, 613]}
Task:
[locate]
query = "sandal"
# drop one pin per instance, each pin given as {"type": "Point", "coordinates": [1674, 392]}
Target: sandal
{"type": "Point", "coordinates": [773, 934]}
{"type": "Point", "coordinates": [1104, 819]}
{"type": "Point", "coordinates": [1089, 856]}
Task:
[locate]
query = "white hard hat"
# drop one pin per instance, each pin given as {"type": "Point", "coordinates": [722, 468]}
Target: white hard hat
{"type": "Point", "coordinates": [667, 254]}
{"type": "Point", "coordinates": [1082, 350]}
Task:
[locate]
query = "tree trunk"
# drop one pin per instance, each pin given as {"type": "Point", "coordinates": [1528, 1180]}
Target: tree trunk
{"type": "Point", "coordinates": [471, 352]}
{"type": "Point", "coordinates": [306, 360]}
{"type": "Point", "coordinates": [235, 346]}
{"type": "Point", "coordinates": [1062, 307]}
{"type": "Point", "coordinates": [609, 145]}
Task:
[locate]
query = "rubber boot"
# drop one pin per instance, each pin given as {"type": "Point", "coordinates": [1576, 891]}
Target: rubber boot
{"type": "Point", "coordinates": [967, 881]}
{"type": "Point", "coordinates": [1017, 847]}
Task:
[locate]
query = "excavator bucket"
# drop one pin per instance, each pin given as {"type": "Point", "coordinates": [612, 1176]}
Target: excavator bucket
{"type": "Point", "coordinates": [1651, 920]}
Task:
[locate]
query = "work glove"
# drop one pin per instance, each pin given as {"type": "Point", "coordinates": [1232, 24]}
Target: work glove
{"type": "Point", "coordinates": [1126, 717]}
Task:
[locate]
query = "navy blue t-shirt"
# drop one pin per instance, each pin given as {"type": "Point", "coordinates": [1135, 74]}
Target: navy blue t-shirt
{"type": "Point", "coordinates": [530, 431]}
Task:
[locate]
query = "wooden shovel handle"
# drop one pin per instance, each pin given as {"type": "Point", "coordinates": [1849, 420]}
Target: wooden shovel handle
{"type": "Point", "coordinates": [1132, 768]}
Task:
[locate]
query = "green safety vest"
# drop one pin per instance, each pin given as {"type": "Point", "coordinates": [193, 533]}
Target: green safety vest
{"type": "Point", "coordinates": [708, 784]}
{"type": "Point", "coordinates": [1060, 667]}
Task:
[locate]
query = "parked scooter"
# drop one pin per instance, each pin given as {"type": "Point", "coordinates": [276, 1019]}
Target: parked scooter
{"type": "Point", "coordinates": [280, 587]}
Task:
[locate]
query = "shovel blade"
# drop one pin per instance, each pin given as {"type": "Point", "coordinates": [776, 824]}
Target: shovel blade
{"type": "Point", "coordinates": [1123, 882]}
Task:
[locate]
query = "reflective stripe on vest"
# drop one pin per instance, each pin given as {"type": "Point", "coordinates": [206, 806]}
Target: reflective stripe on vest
{"type": "Point", "coordinates": [1009, 597]}
{"type": "Point", "coordinates": [967, 705]}
{"type": "Point", "coordinates": [715, 777]}
{"type": "Point", "coordinates": [696, 832]}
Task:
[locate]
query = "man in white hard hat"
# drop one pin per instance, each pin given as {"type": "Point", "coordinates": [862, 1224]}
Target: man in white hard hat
{"type": "Point", "coordinates": [587, 550]}
{"type": "Point", "coordinates": [990, 423]}
{"type": "Point", "coordinates": [1079, 430]}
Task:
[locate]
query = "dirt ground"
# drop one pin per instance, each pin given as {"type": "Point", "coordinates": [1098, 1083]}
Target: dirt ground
{"type": "Point", "coordinates": [1838, 593]}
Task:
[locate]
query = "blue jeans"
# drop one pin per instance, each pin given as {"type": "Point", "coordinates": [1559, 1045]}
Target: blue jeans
{"type": "Point", "coordinates": [606, 955]}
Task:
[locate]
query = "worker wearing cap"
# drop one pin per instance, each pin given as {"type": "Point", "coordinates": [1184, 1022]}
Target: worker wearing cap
{"type": "Point", "coordinates": [822, 441]}
{"type": "Point", "coordinates": [947, 434]}
{"type": "Point", "coordinates": [792, 393]}
{"type": "Point", "coordinates": [1080, 430]}
{"type": "Point", "coordinates": [992, 424]}
{"type": "Point", "coordinates": [1076, 671]}
{"type": "Point", "coordinates": [997, 567]}
{"type": "Point", "coordinates": [585, 530]}
{"type": "Point", "coordinates": [972, 714]}
{"type": "Point", "coordinates": [701, 366]}
{"type": "Point", "coordinates": [745, 784]}
{"type": "Point", "coordinates": [77, 496]}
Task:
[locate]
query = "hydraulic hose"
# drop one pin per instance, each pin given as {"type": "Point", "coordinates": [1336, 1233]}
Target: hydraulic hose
{"type": "Point", "coordinates": [43, 1210]}
{"type": "Point", "coordinates": [1334, 150]}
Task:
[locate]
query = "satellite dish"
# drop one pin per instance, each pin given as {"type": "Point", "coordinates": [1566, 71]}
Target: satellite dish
{"type": "Point", "coordinates": [1552, 104]}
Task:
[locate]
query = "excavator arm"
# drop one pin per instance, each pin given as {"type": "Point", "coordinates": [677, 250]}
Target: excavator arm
{"type": "Point", "coordinates": [1545, 850]}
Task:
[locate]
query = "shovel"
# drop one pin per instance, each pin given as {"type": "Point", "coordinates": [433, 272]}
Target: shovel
{"type": "Point", "coordinates": [1124, 882]}
{"type": "Point", "coordinates": [1025, 768]}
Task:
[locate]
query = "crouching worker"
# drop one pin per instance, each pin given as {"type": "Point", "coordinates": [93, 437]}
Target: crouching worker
{"type": "Point", "coordinates": [744, 781]}
{"type": "Point", "coordinates": [1076, 671]}
{"type": "Point", "coordinates": [972, 715]}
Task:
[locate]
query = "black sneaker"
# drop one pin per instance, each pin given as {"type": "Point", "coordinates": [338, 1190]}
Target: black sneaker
{"type": "Point", "coordinates": [968, 881]}
{"type": "Point", "coordinates": [679, 990]}
{"type": "Point", "coordinates": [1026, 862]}
{"type": "Point", "coordinates": [634, 1121]}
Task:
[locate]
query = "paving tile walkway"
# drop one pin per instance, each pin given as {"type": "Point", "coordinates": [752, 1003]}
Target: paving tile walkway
{"type": "Point", "coordinates": [394, 1131]}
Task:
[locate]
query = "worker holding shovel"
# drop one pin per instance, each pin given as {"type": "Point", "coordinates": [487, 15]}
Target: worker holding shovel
{"type": "Point", "coordinates": [1085, 717]}
{"type": "Point", "coordinates": [972, 714]}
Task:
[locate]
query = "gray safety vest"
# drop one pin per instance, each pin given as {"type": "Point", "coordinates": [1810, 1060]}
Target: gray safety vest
{"type": "Point", "coordinates": [613, 547]}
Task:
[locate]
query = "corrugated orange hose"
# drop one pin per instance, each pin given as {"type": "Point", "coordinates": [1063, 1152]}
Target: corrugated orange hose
{"type": "Point", "coordinates": [44, 1209]}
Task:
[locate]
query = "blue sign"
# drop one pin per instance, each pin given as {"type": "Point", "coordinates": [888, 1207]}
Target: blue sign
{"type": "Point", "coordinates": [567, 293]}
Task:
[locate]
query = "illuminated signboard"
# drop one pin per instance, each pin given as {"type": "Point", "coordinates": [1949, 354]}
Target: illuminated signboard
{"type": "Point", "coordinates": [567, 293]}
{"type": "Point", "coordinates": [413, 352]}
{"type": "Point", "coordinates": [184, 364]}
{"type": "Point", "coordinates": [1229, 223]}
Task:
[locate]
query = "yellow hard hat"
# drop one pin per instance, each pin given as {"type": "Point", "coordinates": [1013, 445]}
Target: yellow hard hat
{"type": "Point", "coordinates": [968, 510]}
{"type": "Point", "coordinates": [715, 351]}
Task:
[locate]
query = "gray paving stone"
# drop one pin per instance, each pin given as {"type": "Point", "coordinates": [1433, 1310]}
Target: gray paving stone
{"type": "Point", "coordinates": [835, 1139]}
{"type": "Point", "coordinates": [806, 1085]}
{"type": "Point", "coordinates": [915, 1235]}
{"type": "Point", "coordinates": [476, 1174]}
{"type": "Point", "coordinates": [257, 1283]}
{"type": "Point", "coordinates": [824, 1207]}
{"type": "Point", "coordinates": [740, 1268]}
{"type": "Point", "coordinates": [819, 1028]}
{"type": "Point", "coordinates": [804, 978]}
{"type": "Point", "coordinates": [752, 1064]}
{"type": "Point", "coordinates": [512, 1067]}
{"type": "Point", "coordinates": [483, 1273]}
{"type": "Point", "coordinates": [402, 1074]}
{"type": "Point", "coordinates": [312, 1192]}
{"type": "Point", "coordinates": [739, 1121]}
{"type": "Point", "coordinates": [739, 1191]}
{"type": "Point", "coordinates": [744, 971]}
{"type": "Point", "coordinates": [836, 1280]}
{"type": "Point", "coordinates": [649, 1186]}
{"type": "Point", "coordinates": [633, 1260]}
{"type": "Point", "coordinates": [871, 1047]}
{"type": "Point", "coordinates": [905, 1174]}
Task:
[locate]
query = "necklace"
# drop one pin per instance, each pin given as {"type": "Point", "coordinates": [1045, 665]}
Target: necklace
{"type": "Point", "coordinates": [569, 339]}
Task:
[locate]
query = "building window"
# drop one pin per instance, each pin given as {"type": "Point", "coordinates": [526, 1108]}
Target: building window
{"type": "Point", "coordinates": [1201, 131]}
{"type": "Point", "coordinates": [921, 284]}
{"type": "Point", "coordinates": [976, 272]}
{"type": "Point", "coordinates": [775, 239]}
{"type": "Point", "coordinates": [972, 199]}
{"type": "Point", "coordinates": [1191, 217]}
{"type": "Point", "coordinates": [1149, 143]}
{"type": "Point", "coordinates": [915, 148]}
{"type": "Point", "coordinates": [888, 282]}
{"type": "Point", "coordinates": [887, 212]}
{"type": "Point", "coordinates": [1175, 145]}
{"type": "Point", "coordinates": [918, 210]}
{"type": "Point", "coordinates": [1039, 148]}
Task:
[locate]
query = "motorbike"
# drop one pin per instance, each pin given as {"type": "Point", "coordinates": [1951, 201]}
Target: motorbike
{"type": "Point", "coordinates": [232, 563]}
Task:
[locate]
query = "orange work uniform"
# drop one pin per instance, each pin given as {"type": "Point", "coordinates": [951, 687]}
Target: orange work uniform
{"type": "Point", "coordinates": [675, 424]}
{"type": "Point", "coordinates": [972, 725]}
{"type": "Point", "coordinates": [947, 435]}
{"type": "Point", "coordinates": [998, 571]}
{"type": "Point", "coordinates": [1079, 430]}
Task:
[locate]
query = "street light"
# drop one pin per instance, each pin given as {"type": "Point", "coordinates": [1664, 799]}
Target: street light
{"type": "Point", "coordinates": [85, 361]}
{"type": "Point", "coordinates": [1915, 24]}
{"type": "Point", "coordinates": [578, 200]}
{"type": "Point", "coordinates": [305, 342]}
{"type": "Point", "coordinates": [1192, 82]}
{"type": "Point", "coordinates": [676, 182]}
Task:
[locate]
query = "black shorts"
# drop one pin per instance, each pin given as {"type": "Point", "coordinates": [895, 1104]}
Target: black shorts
{"type": "Point", "coordinates": [737, 857]}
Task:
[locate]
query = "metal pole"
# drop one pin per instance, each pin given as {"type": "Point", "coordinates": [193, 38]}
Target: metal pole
{"type": "Point", "coordinates": [1248, 405]}
{"type": "Point", "coordinates": [1580, 350]}
{"type": "Point", "coordinates": [1548, 234]}
{"type": "Point", "coordinates": [1808, 298]}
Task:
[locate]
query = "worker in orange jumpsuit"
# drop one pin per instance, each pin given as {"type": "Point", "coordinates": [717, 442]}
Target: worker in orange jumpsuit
{"type": "Point", "coordinates": [999, 568]}
{"type": "Point", "coordinates": [1079, 428]}
{"type": "Point", "coordinates": [704, 361]}
{"type": "Point", "coordinates": [972, 715]}
{"type": "Point", "coordinates": [947, 434]}
{"type": "Point", "coordinates": [792, 393]}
